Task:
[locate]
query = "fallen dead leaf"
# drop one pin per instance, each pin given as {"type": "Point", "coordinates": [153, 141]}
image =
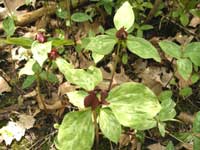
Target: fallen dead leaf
{"type": "Point", "coordinates": [64, 88]}
{"type": "Point", "coordinates": [156, 146]}
{"type": "Point", "coordinates": [26, 121]}
{"type": "Point", "coordinates": [4, 86]}
{"type": "Point", "coordinates": [195, 21]}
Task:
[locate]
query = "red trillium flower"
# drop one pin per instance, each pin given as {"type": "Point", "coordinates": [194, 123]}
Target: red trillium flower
{"type": "Point", "coordinates": [121, 34]}
{"type": "Point", "coordinates": [40, 37]}
{"type": "Point", "coordinates": [92, 100]}
{"type": "Point", "coordinates": [53, 54]}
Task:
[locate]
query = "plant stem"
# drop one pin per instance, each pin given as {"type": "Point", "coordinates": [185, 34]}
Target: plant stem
{"type": "Point", "coordinates": [96, 129]}
{"type": "Point", "coordinates": [115, 65]}
{"type": "Point", "coordinates": [40, 98]}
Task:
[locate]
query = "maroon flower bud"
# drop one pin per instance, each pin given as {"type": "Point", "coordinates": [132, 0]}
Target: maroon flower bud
{"type": "Point", "coordinates": [53, 54]}
{"type": "Point", "coordinates": [40, 37]}
{"type": "Point", "coordinates": [104, 94]}
{"type": "Point", "coordinates": [121, 34]}
{"type": "Point", "coordinates": [91, 100]}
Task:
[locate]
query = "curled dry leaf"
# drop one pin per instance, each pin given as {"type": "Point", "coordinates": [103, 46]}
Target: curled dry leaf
{"type": "Point", "coordinates": [156, 146]}
{"type": "Point", "coordinates": [195, 21]}
{"type": "Point", "coordinates": [4, 86]}
{"type": "Point", "coordinates": [65, 88]}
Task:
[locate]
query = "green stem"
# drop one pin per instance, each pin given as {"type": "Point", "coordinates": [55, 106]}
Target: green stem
{"type": "Point", "coordinates": [96, 129]}
{"type": "Point", "coordinates": [115, 65]}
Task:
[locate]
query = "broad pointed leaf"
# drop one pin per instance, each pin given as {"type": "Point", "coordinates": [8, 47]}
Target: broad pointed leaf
{"type": "Point", "coordinates": [86, 79]}
{"type": "Point", "coordinates": [20, 41]}
{"type": "Point", "coordinates": [134, 105]}
{"type": "Point", "coordinates": [171, 48]}
{"type": "Point", "coordinates": [27, 69]}
{"type": "Point", "coordinates": [76, 131]}
{"type": "Point", "coordinates": [109, 125]}
{"type": "Point", "coordinates": [167, 112]}
{"type": "Point", "coordinates": [40, 51]}
{"type": "Point", "coordinates": [142, 48]}
{"type": "Point", "coordinates": [9, 26]}
{"type": "Point", "coordinates": [102, 44]}
{"type": "Point", "coordinates": [184, 68]}
{"type": "Point", "coordinates": [124, 17]}
{"type": "Point", "coordinates": [192, 51]}
{"type": "Point", "coordinates": [77, 98]}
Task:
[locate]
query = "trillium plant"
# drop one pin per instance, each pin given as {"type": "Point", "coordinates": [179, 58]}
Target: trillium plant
{"type": "Point", "coordinates": [130, 104]}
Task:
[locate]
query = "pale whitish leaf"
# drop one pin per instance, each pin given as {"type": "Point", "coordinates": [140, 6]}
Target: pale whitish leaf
{"type": "Point", "coordinates": [109, 125]}
{"type": "Point", "coordinates": [124, 17]}
{"type": "Point", "coordinates": [12, 131]}
{"type": "Point", "coordinates": [4, 87]}
{"type": "Point", "coordinates": [40, 51]}
{"type": "Point", "coordinates": [76, 131]}
{"type": "Point", "coordinates": [102, 44]}
{"type": "Point", "coordinates": [171, 48]}
{"type": "Point", "coordinates": [161, 127]}
{"type": "Point", "coordinates": [184, 68]}
{"type": "Point", "coordinates": [97, 57]}
{"type": "Point", "coordinates": [142, 48]}
{"type": "Point", "coordinates": [27, 70]}
{"type": "Point", "coordinates": [134, 105]}
{"type": "Point", "coordinates": [192, 51]}
{"type": "Point", "coordinates": [77, 98]}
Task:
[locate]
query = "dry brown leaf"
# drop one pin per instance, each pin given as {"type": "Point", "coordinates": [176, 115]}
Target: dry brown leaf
{"type": "Point", "coordinates": [195, 21]}
{"type": "Point", "coordinates": [13, 5]}
{"type": "Point", "coordinates": [124, 140]}
{"type": "Point", "coordinates": [65, 87]}
{"type": "Point", "coordinates": [181, 82]}
{"type": "Point", "coordinates": [26, 121]}
{"type": "Point", "coordinates": [4, 87]}
{"type": "Point", "coordinates": [156, 146]}
{"type": "Point", "coordinates": [153, 77]}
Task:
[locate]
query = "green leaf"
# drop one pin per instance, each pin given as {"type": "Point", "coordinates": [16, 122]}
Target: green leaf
{"type": "Point", "coordinates": [20, 41]}
{"type": "Point", "coordinates": [192, 51]}
{"type": "Point", "coordinates": [167, 112]}
{"type": "Point", "coordinates": [170, 146]}
{"type": "Point", "coordinates": [102, 44]}
{"type": "Point", "coordinates": [48, 76]}
{"type": "Point", "coordinates": [161, 127]}
{"type": "Point", "coordinates": [194, 78]}
{"type": "Point", "coordinates": [196, 130]}
{"type": "Point", "coordinates": [142, 48]}
{"type": "Point", "coordinates": [86, 79]}
{"type": "Point", "coordinates": [185, 137]}
{"type": "Point", "coordinates": [61, 42]}
{"type": "Point", "coordinates": [80, 17]}
{"type": "Point", "coordinates": [187, 91]}
{"type": "Point", "coordinates": [97, 57]}
{"type": "Point", "coordinates": [124, 17]}
{"type": "Point", "coordinates": [28, 82]}
{"type": "Point", "coordinates": [134, 105]}
{"type": "Point", "coordinates": [9, 26]}
{"type": "Point", "coordinates": [184, 68]}
{"type": "Point", "coordinates": [27, 69]}
{"type": "Point", "coordinates": [40, 51]}
{"type": "Point", "coordinates": [109, 125]}
{"type": "Point", "coordinates": [77, 98]}
{"type": "Point", "coordinates": [184, 19]}
{"type": "Point", "coordinates": [146, 27]}
{"type": "Point", "coordinates": [36, 68]}
{"type": "Point", "coordinates": [76, 131]}
{"type": "Point", "coordinates": [171, 49]}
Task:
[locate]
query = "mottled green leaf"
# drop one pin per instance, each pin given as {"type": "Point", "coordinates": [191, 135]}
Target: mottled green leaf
{"type": "Point", "coordinates": [170, 146]}
{"type": "Point", "coordinates": [192, 51]}
{"type": "Point", "coordinates": [77, 98]}
{"type": "Point", "coordinates": [102, 44]}
{"type": "Point", "coordinates": [109, 125]}
{"type": "Point", "coordinates": [9, 26]}
{"type": "Point", "coordinates": [134, 105]}
{"type": "Point", "coordinates": [184, 68]}
{"type": "Point", "coordinates": [142, 48]}
{"type": "Point", "coordinates": [80, 17]}
{"type": "Point", "coordinates": [171, 48]}
{"type": "Point", "coordinates": [76, 131]}
{"type": "Point", "coordinates": [196, 130]}
{"type": "Point", "coordinates": [20, 41]}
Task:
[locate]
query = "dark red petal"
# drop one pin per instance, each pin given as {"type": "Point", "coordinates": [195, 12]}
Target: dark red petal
{"type": "Point", "coordinates": [121, 34]}
{"type": "Point", "coordinates": [91, 100]}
